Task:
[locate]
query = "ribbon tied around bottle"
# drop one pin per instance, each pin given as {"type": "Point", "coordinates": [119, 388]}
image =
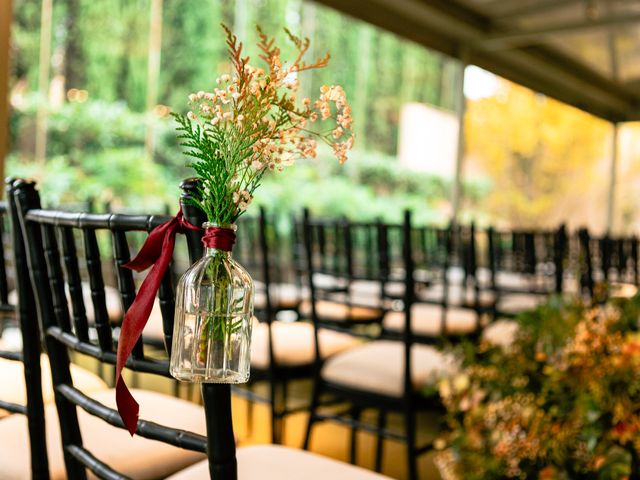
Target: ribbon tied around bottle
{"type": "Point", "coordinates": [156, 253]}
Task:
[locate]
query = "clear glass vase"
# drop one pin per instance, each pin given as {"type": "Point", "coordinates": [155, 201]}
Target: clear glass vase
{"type": "Point", "coordinates": [212, 329]}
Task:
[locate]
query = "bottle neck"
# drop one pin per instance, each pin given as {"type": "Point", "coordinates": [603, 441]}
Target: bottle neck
{"type": "Point", "coordinates": [216, 252]}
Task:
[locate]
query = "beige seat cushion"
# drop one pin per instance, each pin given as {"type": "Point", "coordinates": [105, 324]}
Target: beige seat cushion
{"type": "Point", "coordinates": [135, 457]}
{"type": "Point", "coordinates": [512, 303]}
{"type": "Point", "coordinates": [365, 293]}
{"type": "Point", "coordinates": [514, 280]}
{"type": "Point", "coordinates": [426, 320]}
{"type": "Point", "coordinates": [13, 386]}
{"type": "Point", "coordinates": [327, 282]}
{"type": "Point", "coordinates": [293, 343]}
{"type": "Point", "coordinates": [379, 367]}
{"type": "Point", "coordinates": [623, 290]}
{"type": "Point", "coordinates": [112, 299]}
{"type": "Point", "coordinates": [500, 333]}
{"type": "Point", "coordinates": [435, 293]}
{"type": "Point", "coordinates": [340, 312]}
{"type": "Point", "coordinates": [266, 462]}
{"type": "Point", "coordinates": [284, 296]}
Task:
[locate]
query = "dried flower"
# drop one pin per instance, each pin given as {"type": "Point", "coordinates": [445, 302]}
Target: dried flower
{"type": "Point", "coordinates": [250, 124]}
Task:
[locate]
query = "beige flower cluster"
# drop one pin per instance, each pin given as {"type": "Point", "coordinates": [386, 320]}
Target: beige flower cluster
{"type": "Point", "coordinates": [252, 122]}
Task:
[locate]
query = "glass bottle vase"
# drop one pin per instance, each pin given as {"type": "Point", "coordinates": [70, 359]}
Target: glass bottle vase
{"type": "Point", "coordinates": [212, 323]}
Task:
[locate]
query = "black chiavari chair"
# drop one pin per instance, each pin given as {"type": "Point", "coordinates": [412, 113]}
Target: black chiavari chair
{"type": "Point", "coordinates": [607, 265]}
{"type": "Point", "coordinates": [447, 308]}
{"type": "Point", "coordinates": [347, 296]}
{"type": "Point", "coordinates": [112, 454]}
{"type": "Point", "coordinates": [385, 374]}
{"type": "Point", "coordinates": [526, 266]}
{"type": "Point", "coordinates": [37, 463]}
{"type": "Point", "coordinates": [281, 351]}
{"type": "Point", "coordinates": [25, 373]}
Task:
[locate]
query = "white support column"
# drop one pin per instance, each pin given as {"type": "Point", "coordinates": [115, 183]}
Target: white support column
{"type": "Point", "coordinates": [613, 177]}
{"type": "Point", "coordinates": [462, 107]}
{"type": "Point", "coordinates": [153, 73]}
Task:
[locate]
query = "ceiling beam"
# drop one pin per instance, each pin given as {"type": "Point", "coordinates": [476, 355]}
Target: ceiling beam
{"type": "Point", "coordinates": [530, 37]}
{"type": "Point", "coordinates": [533, 8]}
{"type": "Point", "coordinates": [450, 27]}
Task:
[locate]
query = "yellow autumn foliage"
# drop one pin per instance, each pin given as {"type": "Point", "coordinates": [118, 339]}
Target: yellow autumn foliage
{"type": "Point", "coordinates": [547, 161]}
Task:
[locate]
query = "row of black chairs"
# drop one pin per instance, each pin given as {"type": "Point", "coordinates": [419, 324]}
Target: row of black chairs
{"type": "Point", "coordinates": [51, 307]}
{"type": "Point", "coordinates": [405, 290]}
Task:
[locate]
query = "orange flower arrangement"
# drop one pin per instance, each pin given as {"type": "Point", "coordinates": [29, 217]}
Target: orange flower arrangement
{"type": "Point", "coordinates": [561, 402]}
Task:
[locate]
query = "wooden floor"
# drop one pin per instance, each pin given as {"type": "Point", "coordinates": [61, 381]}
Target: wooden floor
{"type": "Point", "coordinates": [329, 439]}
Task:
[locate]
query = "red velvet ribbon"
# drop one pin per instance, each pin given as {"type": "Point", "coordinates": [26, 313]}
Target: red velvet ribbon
{"type": "Point", "coordinates": [219, 238]}
{"type": "Point", "coordinates": [157, 251]}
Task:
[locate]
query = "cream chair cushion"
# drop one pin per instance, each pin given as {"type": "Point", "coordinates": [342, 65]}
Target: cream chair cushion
{"type": "Point", "coordinates": [426, 320]}
{"type": "Point", "coordinates": [293, 343]}
{"type": "Point", "coordinates": [623, 290]}
{"type": "Point", "coordinates": [275, 462]}
{"type": "Point", "coordinates": [500, 333]}
{"type": "Point", "coordinates": [14, 390]}
{"type": "Point", "coordinates": [112, 300]}
{"type": "Point", "coordinates": [378, 367]}
{"type": "Point", "coordinates": [514, 280]}
{"type": "Point", "coordinates": [135, 457]}
{"type": "Point", "coordinates": [456, 295]}
{"type": "Point", "coordinates": [340, 312]}
{"type": "Point", "coordinates": [513, 303]}
{"type": "Point", "coordinates": [284, 296]}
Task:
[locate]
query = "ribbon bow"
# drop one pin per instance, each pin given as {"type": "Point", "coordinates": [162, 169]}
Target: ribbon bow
{"type": "Point", "coordinates": [157, 251]}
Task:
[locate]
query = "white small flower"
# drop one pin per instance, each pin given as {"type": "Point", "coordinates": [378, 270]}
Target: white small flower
{"type": "Point", "coordinates": [193, 97]}
{"type": "Point", "coordinates": [191, 116]}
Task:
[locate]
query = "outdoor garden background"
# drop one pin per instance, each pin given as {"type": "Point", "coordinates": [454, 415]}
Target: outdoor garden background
{"type": "Point", "coordinates": [529, 160]}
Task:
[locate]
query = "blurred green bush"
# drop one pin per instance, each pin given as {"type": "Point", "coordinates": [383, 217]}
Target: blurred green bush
{"type": "Point", "coordinates": [96, 151]}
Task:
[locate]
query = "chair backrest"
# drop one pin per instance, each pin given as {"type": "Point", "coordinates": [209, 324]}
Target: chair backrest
{"type": "Point", "coordinates": [53, 235]}
{"type": "Point", "coordinates": [535, 255]}
{"type": "Point", "coordinates": [26, 314]}
{"type": "Point", "coordinates": [340, 253]}
{"type": "Point", "coordinates": [324, 239]}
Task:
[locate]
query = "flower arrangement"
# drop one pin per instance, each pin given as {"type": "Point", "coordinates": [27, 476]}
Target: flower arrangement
{"type": "Point", "coordinates": [561, 402]}
{"type": "Point", "coordinates": [252, 123]}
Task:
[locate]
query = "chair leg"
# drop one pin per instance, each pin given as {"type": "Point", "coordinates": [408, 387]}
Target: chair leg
{"type": "Point", "coordinates": [412, 461]}
{"type": "Point", "coordinates": [249, 410]}
{"type": "Point", "coordinates": [283, 411]}
{"type": "Point", "coordinates": [176, 388]}
{"type": "Point", "coordinates": [315, 401]}
{"type": "Point", "coordinates": [382, 423]}
{"type": "Point", "coordinates": [273, 391]}
{"type": "Point", "coordinates": [355, 416]}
